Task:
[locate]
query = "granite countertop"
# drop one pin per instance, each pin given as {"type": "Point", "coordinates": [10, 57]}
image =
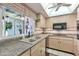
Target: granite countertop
{"type": "Point", "coordinates": [13, 48]}
{"type": "Point", "coordinates": [63, 36]}
{"type": "Point", "coordinates": [43, 36]}
{"type": "Point", "coordinates": [16, 47]}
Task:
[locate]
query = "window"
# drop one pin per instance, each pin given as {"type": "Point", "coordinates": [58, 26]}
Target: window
{"type": "Point", "coordinates": [13, 22]}
{"type": "Point", "coordinates": [56, 9]}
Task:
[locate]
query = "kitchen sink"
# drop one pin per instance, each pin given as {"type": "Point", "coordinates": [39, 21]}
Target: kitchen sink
{"type": "Point", "coordinates": [32, 39]}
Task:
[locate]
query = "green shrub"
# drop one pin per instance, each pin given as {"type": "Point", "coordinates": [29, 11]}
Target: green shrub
{"type": "Point", "coordinates": [8, 25]}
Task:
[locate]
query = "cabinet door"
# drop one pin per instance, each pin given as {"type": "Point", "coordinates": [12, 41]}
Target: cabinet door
{"type": "Point", "coordinates": [53, 43]}
{"type": "Point", "coordinates": [61, 44]}
{"type": "Point", "coordinates": [27, 53]}
{"type": "Point", "coordinates": [67, 45]}
{"type": "Point", "coordinates": [77, 53]}
{"type": "Point", "coordinates": [43, 47]}
{"type": "Point", "coordinates": [35, 50]}
{"type": "Point", "coordinates": [38, 49]}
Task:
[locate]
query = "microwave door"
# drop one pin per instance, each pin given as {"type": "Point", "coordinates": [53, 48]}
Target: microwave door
{"type": "Point", "coordinates": [59, 26]}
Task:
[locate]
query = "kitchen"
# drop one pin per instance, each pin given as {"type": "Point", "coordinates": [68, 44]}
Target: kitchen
{"type": "Point", "coordinates": [27, 30]}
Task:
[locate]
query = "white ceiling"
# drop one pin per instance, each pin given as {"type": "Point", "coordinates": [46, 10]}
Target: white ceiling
{"type": "Point", "coordinates": [61, 11]}
{"type": "Point", "coordinates": [36, 7]}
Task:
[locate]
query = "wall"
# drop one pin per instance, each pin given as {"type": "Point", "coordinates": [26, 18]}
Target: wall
{"type": "Point", "coordinates": [77, 41]}
{"type": "Point", "coordinates": [30, 13]}
{"type": "Point", "coordinates": [69, 19]}
{"type": "Point", "coordinates": [71, 27]}
{"type": "Point", "coordinates": [42, 21]}
{"type": "Point", "coordinates": [40, 24]}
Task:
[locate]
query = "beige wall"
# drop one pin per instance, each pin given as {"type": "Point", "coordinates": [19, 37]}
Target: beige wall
{"type": "Point", "coordinates": [30, 13]}
{"type": "Point", "coordinates": [41, 22]}
{"type": "Point", "coordinates": [77, 41]}
{"type": "Point", "coordinates": [69, 19]}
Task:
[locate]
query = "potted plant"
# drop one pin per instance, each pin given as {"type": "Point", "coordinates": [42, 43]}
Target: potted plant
{"type": "Point", "coordinates": [8, 25]}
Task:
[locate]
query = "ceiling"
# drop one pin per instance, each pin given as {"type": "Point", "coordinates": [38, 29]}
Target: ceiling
{"type": "Point", "coordinates": [56, 9]}
{"type": "Point", "coordinates": [37, 7]}
{"type": "Point", "coordinates": [43, 9]}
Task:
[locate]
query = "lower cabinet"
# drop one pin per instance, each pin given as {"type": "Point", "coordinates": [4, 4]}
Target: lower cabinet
{"type": "Point", "coordinates": [77, 49]}
{"type": "Point", "coordinates": [53, 43]}
{"type": "Point", "coordinates": [67, 45]}
{"type": "Point", "coordinates": [27, 53]}
{"type": "Point", "coordinates": [38, 49]}
{"type": "Point", "coordinates": [63, 44]}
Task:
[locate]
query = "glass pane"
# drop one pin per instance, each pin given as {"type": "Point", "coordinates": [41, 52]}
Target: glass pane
{"type": "Point", "coordinates": [55, 9]}
{"type": "Point", "coordinates": [1, 23]}
{"type": "Point", "coordinates": [13, 22]}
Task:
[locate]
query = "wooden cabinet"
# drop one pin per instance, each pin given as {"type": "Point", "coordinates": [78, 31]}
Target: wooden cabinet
{"type": "Point", "coordinates": [35, 51]}
{"type": "Point", "coordinates": [43, 47]}
{"type": "Point", "coordinates": [67, 45]}
{"type": "Point", "coordinates": [53, 43]}
{"type": "Point", "coordinates": [77, 49]}
{"type": "Point", "coordinates": [64, 44]}
{"type": "Point", "coordinates": [38, 49]}
{"type": "Point", "coordinates": [27, 53]}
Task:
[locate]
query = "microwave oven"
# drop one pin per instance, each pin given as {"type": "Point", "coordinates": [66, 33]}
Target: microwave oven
{"type": "Point", "coordinates": [59, 26]}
